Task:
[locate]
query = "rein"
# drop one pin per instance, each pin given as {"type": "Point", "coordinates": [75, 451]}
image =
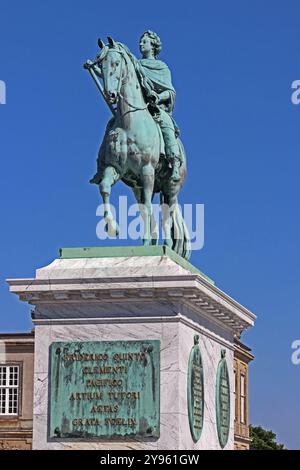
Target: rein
{"type": "Point", "coordinates": [135, 108]}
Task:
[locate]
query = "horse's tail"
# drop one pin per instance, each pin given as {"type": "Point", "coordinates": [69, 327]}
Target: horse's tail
{"type": "Point", "coordinates": [179, 232]}
{"type": "Point", "coordinates": [180, 235]}
{"type": "Point", "coordinates": [181, 241]}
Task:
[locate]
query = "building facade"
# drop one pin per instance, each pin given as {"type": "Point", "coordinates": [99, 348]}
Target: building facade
{"type": "Point", "coordinates": [16, 390]}
{"type": "Point", "coordinates": [242, 358]}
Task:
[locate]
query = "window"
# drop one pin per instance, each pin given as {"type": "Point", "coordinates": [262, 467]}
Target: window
{"type": "Point", "coordinates": [235, 396]}
{"type": "Point", "coordinates": [9, 390]}
{"type": "Point", "coordinates": [243, 399]}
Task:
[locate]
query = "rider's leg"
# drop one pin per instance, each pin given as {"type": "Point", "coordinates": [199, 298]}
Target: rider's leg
{"type": "Point", "coordinates": [171, 144]}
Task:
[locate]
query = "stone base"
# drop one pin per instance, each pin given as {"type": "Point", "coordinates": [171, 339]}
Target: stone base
{"type": "Point", "coordinates": [137, 297]}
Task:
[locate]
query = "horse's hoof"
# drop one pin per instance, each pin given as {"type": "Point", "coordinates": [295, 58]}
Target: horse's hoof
{"type": "Point", "coordinates": [168, 243]}
{"type": "Point", "coordinates": [112, 229]}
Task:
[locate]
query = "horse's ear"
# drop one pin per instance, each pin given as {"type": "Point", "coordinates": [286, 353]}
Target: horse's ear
{"type": "Point", "coordinates": [101, 43]}
{"type": "Point", "coordinates": [111, 42]}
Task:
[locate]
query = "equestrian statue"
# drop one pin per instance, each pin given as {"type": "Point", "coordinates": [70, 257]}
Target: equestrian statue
{"type": "Point", "coordinates": [141, 145]}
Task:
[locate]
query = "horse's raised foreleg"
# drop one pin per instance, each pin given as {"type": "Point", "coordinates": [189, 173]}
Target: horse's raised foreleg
{"type": "Point", "coordinates": [110, 177]}
{"type": "Point", "coordinates": [146, 206]}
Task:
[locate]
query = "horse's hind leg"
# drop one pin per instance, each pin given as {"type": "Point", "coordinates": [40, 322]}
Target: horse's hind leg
{"type": "Point", "coordinates": [153, 222]}
{"type": "Point", "coordinates": [169, 208]}
{"type": "Point", "coordinates": [146, 207]}
{"type": "Point", "coordinates": [154, 230]}
{"type": "Point", "coordinates": [166, 220]}
{"type": "Point", "coordinates": [110, 177]}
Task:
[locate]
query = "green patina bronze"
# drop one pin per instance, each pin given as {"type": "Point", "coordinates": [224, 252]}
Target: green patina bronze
{"type": "Point", "coordinates": [141, 145]}
{"type": "Point", "coordinates": [105, 389]}
{"type": "Point", "coordinates": [223, 400]}
{"type": "Point", "coordinates": [195, 391]}
{"type": "Point", "coordinates": [128, 251]}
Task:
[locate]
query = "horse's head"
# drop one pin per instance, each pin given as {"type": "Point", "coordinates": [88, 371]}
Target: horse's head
{"type": "Point", "coordinates": [111, 61]}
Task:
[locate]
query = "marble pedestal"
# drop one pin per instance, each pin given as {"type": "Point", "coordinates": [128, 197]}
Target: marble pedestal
{"type": "Point", "coordinates": [135, 294]}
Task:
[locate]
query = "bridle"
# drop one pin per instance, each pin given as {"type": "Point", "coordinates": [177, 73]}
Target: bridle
{"type": "Point", "coordinates": [122, 81]}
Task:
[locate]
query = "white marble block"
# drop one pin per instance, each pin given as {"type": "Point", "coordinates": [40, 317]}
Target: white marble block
{"type": "Point", "coordinates": [115, 298]}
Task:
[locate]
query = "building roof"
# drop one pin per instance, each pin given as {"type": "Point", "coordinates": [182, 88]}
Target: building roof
{"type": "Point", "coordinates": [12, 336]}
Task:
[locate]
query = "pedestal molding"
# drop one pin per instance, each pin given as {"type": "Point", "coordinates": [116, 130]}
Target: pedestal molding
{"type": "Point", "coordinates": [133, 320]}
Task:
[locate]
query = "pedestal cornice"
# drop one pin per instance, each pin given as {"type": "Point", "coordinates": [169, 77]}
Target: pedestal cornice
{"type": "Point", "coordinates": [122, 279]}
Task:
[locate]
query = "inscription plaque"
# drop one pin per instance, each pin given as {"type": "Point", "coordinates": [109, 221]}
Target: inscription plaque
{"type": "Point", "coordinates": [195, 391]}
{"type": "Point", "coordinates": [104, 389]}
{"type": "Point", "coordinates": [223, 400]}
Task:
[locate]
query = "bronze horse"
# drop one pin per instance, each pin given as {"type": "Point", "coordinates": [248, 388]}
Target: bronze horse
{"type": "Point", "coordinates": [133, 151]}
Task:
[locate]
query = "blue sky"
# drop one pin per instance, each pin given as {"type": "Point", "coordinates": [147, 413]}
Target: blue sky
{"type": "Point", "coordinates": [233, 64]}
